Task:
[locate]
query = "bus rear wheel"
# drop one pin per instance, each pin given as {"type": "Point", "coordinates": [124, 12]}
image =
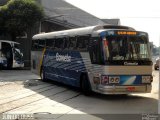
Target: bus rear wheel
{"type": "Point", "coordinates": [85, 85]}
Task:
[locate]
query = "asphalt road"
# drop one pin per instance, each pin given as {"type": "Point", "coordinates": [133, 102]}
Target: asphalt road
{"type": "Point", "coordinates": [22, 92]}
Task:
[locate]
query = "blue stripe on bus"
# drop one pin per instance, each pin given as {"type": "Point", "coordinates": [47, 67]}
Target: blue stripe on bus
{"type": "Point", "coordinates": [66, 72]}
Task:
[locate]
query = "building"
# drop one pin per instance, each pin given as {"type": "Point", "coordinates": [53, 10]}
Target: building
{"type": "Point", "coordinates": [66, 15]}
{"type": "Point", "coordinates": [112, 21]}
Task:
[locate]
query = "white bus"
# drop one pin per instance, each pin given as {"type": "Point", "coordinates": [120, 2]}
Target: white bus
{"type": "Point", "coordinates": [10, 55]}
{"type": "Point", "coordinates": [105, 59]}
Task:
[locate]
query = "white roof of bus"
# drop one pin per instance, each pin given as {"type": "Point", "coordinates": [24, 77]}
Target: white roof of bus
{"type": "Point", "coordinates": [7, 41]}
{"type": "Point", "coordinates": [72, 32]}
{"type": "Point", "coordinates": [79, 31]}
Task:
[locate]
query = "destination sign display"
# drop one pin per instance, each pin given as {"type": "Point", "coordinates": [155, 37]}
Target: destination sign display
{"type": "Point", "coordinates": [126, 32]}
{"type": "Point", "coordinates": [122, 33]}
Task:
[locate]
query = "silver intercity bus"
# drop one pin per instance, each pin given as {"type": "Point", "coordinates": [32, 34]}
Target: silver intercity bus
{"type": "Point", "coordinates": [105, 59]}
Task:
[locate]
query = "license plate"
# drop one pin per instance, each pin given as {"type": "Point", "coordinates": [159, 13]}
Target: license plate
{"type": "Point", "coordinates": [131, 88]}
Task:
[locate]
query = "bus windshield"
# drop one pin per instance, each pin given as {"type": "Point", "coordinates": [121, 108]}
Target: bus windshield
{"type": "Point", "coordinates": [126, 48]}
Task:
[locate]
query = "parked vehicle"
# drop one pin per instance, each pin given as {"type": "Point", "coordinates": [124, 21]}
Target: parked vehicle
{"type": "Point", "coordinates": [157, 64]}
{"type": "Point", "coordinates": [10, 55]}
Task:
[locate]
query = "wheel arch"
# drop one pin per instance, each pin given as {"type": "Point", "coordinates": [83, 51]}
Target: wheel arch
{"type": "Point", "coordinates": [81, 78]}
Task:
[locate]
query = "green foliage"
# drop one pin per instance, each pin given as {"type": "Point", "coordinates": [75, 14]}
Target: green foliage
{"type": "Point", "coordinates": [2, 19]}
{"type": "Point", "coordinates": [19, 15]}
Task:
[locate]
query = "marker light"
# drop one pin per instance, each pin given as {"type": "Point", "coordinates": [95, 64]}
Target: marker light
{"type": "Point", "coordinates": [104, 80]}
{"type": "Point", "coordinates": [114, 79]}
{"type": "Point", "coordinates": [147, 79]}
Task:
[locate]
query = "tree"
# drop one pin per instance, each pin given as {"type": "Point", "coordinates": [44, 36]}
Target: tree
{"type": "Point", "coordinates": [18, 16]}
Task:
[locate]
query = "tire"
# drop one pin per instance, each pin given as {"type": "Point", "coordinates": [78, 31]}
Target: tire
{"type": "Point", "coordinates": [155, 68]}
{"type": "Point", "coordinates": [85, 85]}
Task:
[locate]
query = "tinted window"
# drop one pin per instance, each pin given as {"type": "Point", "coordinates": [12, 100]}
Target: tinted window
{"type": "Point", "coordinates": [82, 43]}
{"type": "Point", "coordinates": [35, 45]}
{"type": "Point", "coordinates": [66, 43]}
{"type": "Point", "coordinates": [59, 44]}
{"type": "Point", "coordinates": [50, 43]}
{"type": "Point", "coordinates": [38, 44]}
{"type": "Point", "coordinates": [72, 43]}
{"type": "Point", "coordinates": [42, 44]}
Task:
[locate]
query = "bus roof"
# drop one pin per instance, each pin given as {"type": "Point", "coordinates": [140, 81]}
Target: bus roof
{"type": "Point", "coordinates": [8, 41]}
{"type": "Point", "coordinates": [78, 31]}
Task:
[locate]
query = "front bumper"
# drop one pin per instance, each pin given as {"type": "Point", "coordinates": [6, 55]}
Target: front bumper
{"type": "Point", "coordinates": [123, 89]}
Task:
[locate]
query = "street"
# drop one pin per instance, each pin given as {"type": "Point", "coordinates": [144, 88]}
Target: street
{"type": "Point", "coordinates": [22, 93]}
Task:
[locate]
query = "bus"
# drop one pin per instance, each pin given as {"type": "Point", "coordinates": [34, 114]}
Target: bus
{"type": "Point", "coordinates": [106, 59]}
{"type": "Point", "coordinates": [10, 55]}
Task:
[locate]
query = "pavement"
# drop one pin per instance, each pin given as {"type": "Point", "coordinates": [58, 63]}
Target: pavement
{"type": "Point", "coordinates": [22, 93]}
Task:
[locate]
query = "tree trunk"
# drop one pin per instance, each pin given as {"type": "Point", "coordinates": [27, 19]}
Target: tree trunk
{"type": "Point", "coordinates": [29, 39]}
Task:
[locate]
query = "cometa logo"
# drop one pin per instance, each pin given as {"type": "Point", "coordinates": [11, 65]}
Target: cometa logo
{"type": "Point", "coordinates": [63, 58]}
{"type": "Point", "coordinates": [127, 63]}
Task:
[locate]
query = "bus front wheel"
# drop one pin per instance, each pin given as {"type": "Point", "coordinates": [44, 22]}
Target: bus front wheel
{"type": "Point", "coordinates": [85, 85]}
{"type": "Point", "coordinates": [155, 68]}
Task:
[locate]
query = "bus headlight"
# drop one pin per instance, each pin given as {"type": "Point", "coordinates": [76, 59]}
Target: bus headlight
{"type": "Point", "coordinates": [104, 79]}
{"type": "Point", "coordinates": [96, 80]}
{"type": "Point", "coordinates": [147, 79]}
{"type": "Point", "coordinates": [114, 79]}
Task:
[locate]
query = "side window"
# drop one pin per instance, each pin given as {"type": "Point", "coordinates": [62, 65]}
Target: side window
{"type": "Point", "coordinates": [59, 44]}
{"type": "Point", "coordinates": [82, 43]}
{"type": "Point", "coordinates": [38, 45]}
{"type": "Point", "coordinates": [34, 45]}
{"type": "Point", "coordinates": [42, 44]}
{"type": "Point", "coordinates": [66, 43]}
{"type": "Point", "coordinates": [95, 51]}
{"type": "Point", "coordinates": [50, 43]}
{"type": "Point", "coordinates": [72, 43]}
